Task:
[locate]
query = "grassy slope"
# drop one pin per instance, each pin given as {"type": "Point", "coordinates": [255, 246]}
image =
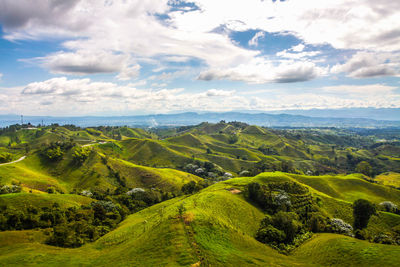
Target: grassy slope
{"type": "Point", "coordinates": [218, 227]}
{"type": "Point", "coordinates": [389, 178]}
{"type": "Point", "coordinates": [336, 250]}
{"type": "Point", "coordinates": [36, 174]}
{"type": "Point", "coordinates": [350, 188]}
{"type": "Point", "coordinates": [21, 200]}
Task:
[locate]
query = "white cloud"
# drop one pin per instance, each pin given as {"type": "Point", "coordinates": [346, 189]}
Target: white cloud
{"type": "Point", "coordinates": [254, 41]}
{"type": "Point", "coordinates": [359, 24]}
{"type": "Point", "coordinates": [89, 62]}
{"type": "Point", "coordinates": [360, 90]}
{"type": "Point", "coordinates": [263, 71]}
{"type": "Point", "coordinates": [62, 96]}
{"type": "Point", "coordinates": [367, 64]}
{"type": "Point", "coordinates": [1, 76]}
{"type": "Point", "coordinates": [298, 48]}
{"type": "Point", "coordinates": [118, 36]}
{"type": "Point", "coordinates": [286, 54]}
{"type": "Point", "coordinates": [216, 92]}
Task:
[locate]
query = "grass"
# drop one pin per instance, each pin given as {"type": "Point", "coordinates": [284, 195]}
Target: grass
{"type": "Point", "coordinates": [349, 188]}
{"type": "Point", "coordinates": [336, 250]}
{"type": "Point", "coordinates": [389, 178]}
{"type": "Point", "coordinates": [22, 200]}
{"type": "Point", "coordinates": [217, 229]}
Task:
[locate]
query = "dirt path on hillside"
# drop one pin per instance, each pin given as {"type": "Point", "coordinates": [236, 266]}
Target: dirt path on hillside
{"type": "Point", "coordinates": [15, 161]}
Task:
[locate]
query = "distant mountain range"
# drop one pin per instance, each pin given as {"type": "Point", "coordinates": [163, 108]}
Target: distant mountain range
{"type": "Point", "coordinates": [348, 118]}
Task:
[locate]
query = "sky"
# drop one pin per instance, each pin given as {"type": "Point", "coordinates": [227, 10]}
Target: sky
{"type": "Point", "coordinates": [131, 57]}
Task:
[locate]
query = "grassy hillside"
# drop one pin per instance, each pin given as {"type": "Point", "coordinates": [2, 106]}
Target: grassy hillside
{"type": "Point", "coordinates": [389, 178]}
{"type": "Point", "coordinates": [22, 200]}
{"type": "Point", "coordinates": [216, 228]}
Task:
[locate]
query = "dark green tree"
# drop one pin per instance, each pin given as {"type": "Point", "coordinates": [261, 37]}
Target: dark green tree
{"type": "Point", "coordinates": [362, 211]}
{"type": "Point", "coordinates": [364, 168]}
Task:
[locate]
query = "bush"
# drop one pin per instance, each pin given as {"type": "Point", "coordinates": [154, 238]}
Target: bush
{"type": "Point", "coordinates": [388, 206]}
{"type": "Point", "coordinates": [8, 189]}
{"type": "Point", "coordinates": [270, 234]}
{"type": "Point", "coordinates": [318, 223]}
{"type": "Point", "coordinates": [340, 227]}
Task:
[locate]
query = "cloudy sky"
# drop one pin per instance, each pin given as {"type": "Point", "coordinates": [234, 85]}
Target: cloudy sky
{"type": "Point", "coordinates": [121, 57]}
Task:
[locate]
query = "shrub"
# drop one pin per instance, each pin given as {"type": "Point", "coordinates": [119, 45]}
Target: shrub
{"type": "Point", "coordinates": [5, 157]}
{"type": "Point", "coordinates": [340, 227]}
{"type": "Point", "coordinates": [270, 234]}
{"type": "Point", "coordinates": [8, 189]}
{"type": "Point", "coordinates": [388, 206]}
{"type": "Point", "coordinates": [135, 190]}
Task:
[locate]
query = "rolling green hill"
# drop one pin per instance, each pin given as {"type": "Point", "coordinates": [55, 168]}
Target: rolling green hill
{"type": "Point", "coordinates": [217, 228]}
{"type": "Point", "coordinates": [159, 180]}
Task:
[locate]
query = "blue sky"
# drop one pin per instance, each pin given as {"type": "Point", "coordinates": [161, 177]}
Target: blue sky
{"type": "Point", "coordinates": [83, 57]}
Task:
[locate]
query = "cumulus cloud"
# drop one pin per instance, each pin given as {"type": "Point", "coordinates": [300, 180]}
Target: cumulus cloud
{"type": "Point", "coordinates": [1, 76]}
{"type": "Point", "coordinates": [89, 62]}
{"type": "Point", "coordinates": [261, 71]}
{"type": "Point", "coordinates": [367, 64]}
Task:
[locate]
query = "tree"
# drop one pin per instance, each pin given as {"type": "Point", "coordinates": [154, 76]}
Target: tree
{"type": "Point", "coordinates": [80, 154]}
{"type": "Point", "coordinates": [53, 153]}
{"type": "Point", "coordinates": [270, 234]}
{"type": "Point", "coordinates": [288, 223]}
{"type": "Point", "coordinates": [189, 188]}
{"type": "Point", "coordinates": [364, 168]}
{"type": "Point", "coordinates": [362, 211]}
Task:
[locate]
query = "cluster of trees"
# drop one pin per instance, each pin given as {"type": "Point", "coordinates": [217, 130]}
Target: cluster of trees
{"type": "Point", "coordinates": [280, 228]}
{"type": "Point", "coordinates": [135, 200]}
{"type": "Point", "coordinates": [274, 197]}
{"type": "Point", "coordinates": [55, 150]}
{"type": "Point", "coordinates": [80, 154]}
{"type": "Point", "coordinates": [193, 187]}
{"type": "Point", "coordinates": [294, 215]}
{"type": "Point", "coordinates": [203, 169]}
{"type": "Point", "coordinates": [70, 227]}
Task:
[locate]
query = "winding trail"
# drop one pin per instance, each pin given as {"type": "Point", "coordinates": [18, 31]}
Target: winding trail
{"type": "Point", "coordinates": [15, 161]}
